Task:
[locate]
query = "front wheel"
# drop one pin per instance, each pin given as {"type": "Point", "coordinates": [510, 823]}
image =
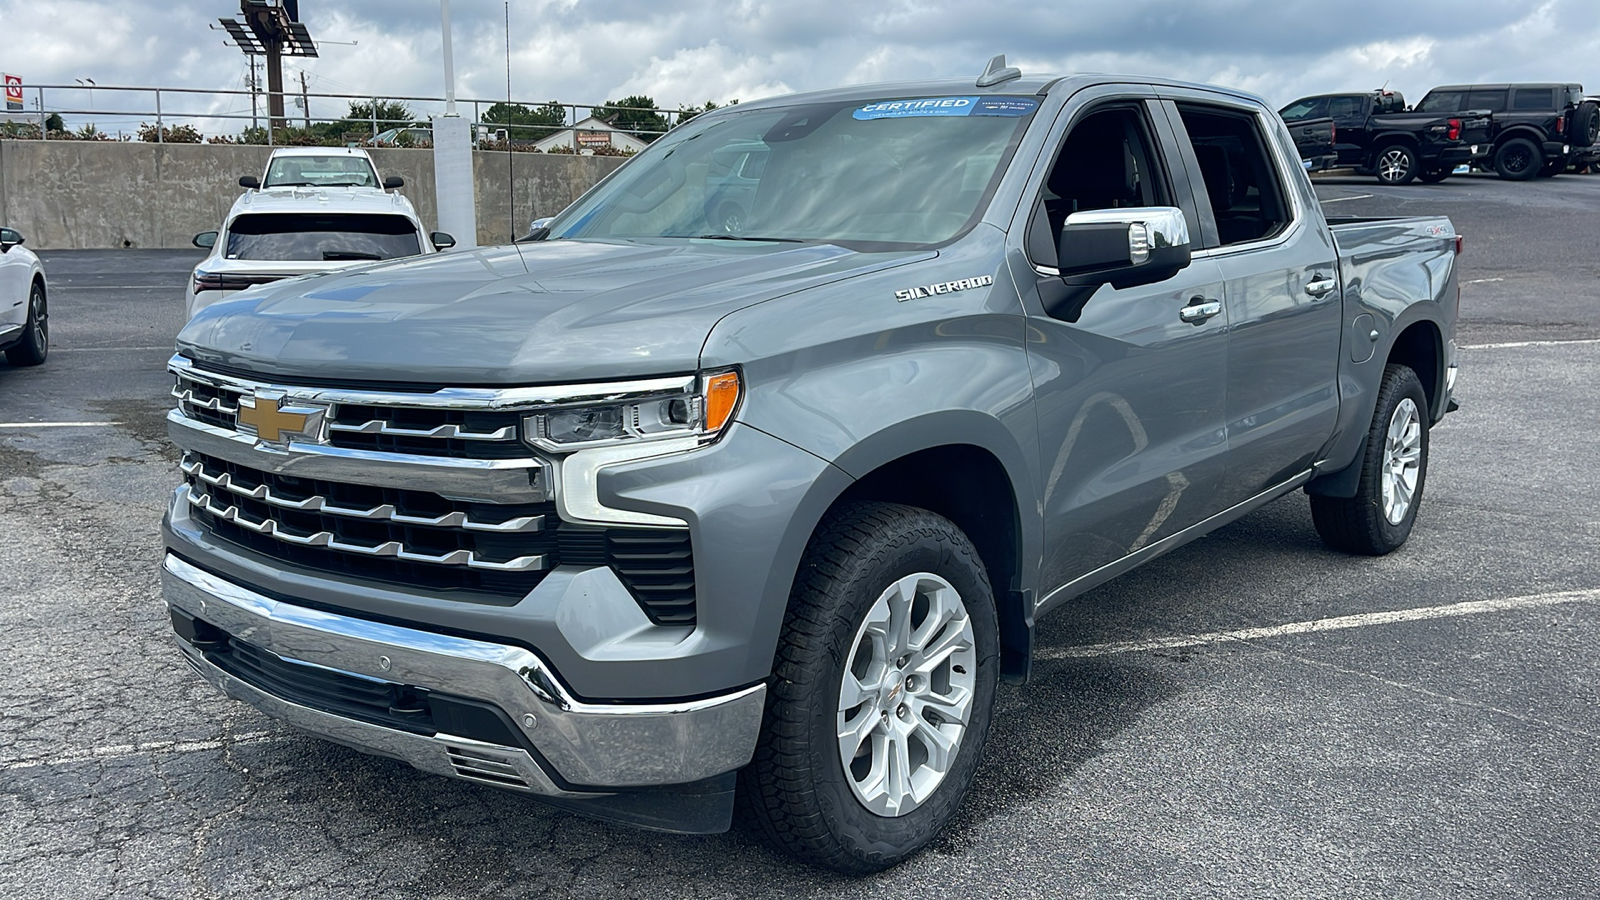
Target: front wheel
{"type": "Point", "coordinates": [1396, 164]}
{"type": "Point", "coordinates": [882, 691]}
{"type": "Point", "coordinates": [1394, 468]}
{"type": "Point", "coordinates": [35, 343]}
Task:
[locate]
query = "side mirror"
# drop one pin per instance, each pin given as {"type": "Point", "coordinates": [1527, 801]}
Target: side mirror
{"type": "Point", "coordinates": [441, 241]}
{"type": "Point", "coordinates": [249, 181]}
{"type": "Point", "coordinates": [205, 240]}
{"type": "Point", "coordinates": [538, 230]}
{"type": "Point", "coordinates": [1124, 247]}
{"type": "Point", "coordinates": [10, 237]}
{"type": "Point", "coordinates": [393, 182]}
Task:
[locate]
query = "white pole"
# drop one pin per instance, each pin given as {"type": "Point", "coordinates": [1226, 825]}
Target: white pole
{"type": "Point", "coordinates": [449, 61]}
{"type": "Point", "coordinates": [454, 184]}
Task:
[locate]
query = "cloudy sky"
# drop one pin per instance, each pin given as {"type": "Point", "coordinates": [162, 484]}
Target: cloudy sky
{"type": "Point", "coordinates": [584, 51]}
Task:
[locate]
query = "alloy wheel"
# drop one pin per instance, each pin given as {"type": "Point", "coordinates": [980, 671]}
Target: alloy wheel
{"type": "Point", "coordinates": [905, 698]}
{"type": "Point", "coordinates": [1402, 461]}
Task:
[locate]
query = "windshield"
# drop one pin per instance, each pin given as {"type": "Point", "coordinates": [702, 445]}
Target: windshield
{"type": "Point", "coordinates": [320, 171]}
{"type": "Point", "coordinates": [887, 174]}
{"type": "Point", "coordinates": [321, 237]}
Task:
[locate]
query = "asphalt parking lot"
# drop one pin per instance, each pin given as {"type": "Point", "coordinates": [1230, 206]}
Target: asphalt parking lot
{"type": "Point", "coordinates": [1250, 716]}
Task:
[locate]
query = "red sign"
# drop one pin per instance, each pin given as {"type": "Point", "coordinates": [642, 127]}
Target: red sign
{"type": "Point", "coordinates": [593, 138]}
{"type": "Point", "coordinates": [13, 91]}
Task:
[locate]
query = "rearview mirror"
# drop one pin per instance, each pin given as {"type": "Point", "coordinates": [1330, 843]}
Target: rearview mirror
{"type": "Point", "coordinates": [249, 181]}
{"type": "Point", "coordinates": [393, 182]}
{"type": "Point", "coordinates": [1124, 247]}
{"type": "Point", "coordinates": [441, 241]}
{"type": "Point", "coordinates": [205, 240]}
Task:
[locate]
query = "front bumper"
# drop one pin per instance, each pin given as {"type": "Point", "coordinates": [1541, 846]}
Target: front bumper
{"type": "Point", "coordinates": [554, 746]}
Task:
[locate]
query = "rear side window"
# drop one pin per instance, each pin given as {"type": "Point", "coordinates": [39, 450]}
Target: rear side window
{"type": "Point", "coordinates": [1246, 193]}
{"type": "Point", "coordinates": [1347, 107]}
{"type": "Point", "coordinates": [1441, 101]}
{"type": "Point", "coordinates": [303, 236]}
{"type": "Point", "coordinates": [1533, 98]}
{"type": "Point", "coordinates": [1314, 108]}
{"type": "Point", "coordinates": [1494, 101]}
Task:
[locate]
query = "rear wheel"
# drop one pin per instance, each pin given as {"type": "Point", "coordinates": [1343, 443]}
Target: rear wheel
{"type": "Point", "coordinates": [1394, 468]}
{"type": "Point", "coordinates": [1396, 164]}
{"type": "Point", "coordinates": [35, 343]}
{"type": "Point", "coordinates": [882, 691]}
{"type": "Point", "coordinates": [1518, 159]}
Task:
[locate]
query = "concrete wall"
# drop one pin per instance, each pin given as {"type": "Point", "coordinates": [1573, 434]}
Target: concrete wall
{"type": "Point", "coordinates": [87, 195]}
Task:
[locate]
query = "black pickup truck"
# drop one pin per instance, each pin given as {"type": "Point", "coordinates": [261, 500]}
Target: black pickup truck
{"type": "Point", "coordinates": [1314, 139]}
{"type": "Point", "coordinates": [1539, 128]}
{"type": "Point", "coordinates": [1374, 135]}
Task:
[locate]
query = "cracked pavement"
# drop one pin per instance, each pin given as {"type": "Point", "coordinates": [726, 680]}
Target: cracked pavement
{"type": "Point", "coordinates": [1442, 757]}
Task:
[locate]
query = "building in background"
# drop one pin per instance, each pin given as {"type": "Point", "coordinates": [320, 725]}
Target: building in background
{"type": "Point", "coordinates": [588, 134]}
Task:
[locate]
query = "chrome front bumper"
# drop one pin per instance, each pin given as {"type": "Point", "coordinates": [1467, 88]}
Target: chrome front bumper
{"type": "Point", "coordinates": [588, 747]}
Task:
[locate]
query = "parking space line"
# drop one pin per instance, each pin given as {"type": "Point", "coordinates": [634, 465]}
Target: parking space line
{"type": "Point", "coordinates": [59, 424]}
{"type": "Point", "coordinates": [124, 751]}
{"type": "Point", "coordinates": [1342, 199]}
{"type": "Point", "coordinates": [164, 349]}
{"type": "Point", "coordinates": [1336, 623]}
{"type": "Point", "coordinates": [1510, 345]}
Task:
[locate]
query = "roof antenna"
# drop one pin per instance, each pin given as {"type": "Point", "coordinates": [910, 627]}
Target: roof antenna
{"type": "Point", "coordinates": [997, 72]}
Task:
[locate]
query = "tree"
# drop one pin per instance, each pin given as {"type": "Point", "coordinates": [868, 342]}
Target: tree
{"type": "Point", "coordinates": [53, 122]}
{"type": "Point", "coordinates": [389, 113]}
{"type": "Point", "coordinates": [685, 113]}
{"type": "Point", "coordinates": [545, 120]}
{"type": "Point", "coordinates": [634, 115]}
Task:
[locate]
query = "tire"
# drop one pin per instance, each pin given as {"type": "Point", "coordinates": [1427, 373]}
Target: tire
{"type": "Point", "coordinates": [1395, 164]}
{"type": "Point", "coordinates": [1394, 470]}
{"type": "Point", "coordinates": [1518, 159]}
{"type": "Point", "coordinates": [35, 343]}
{"type": "Point", "coordinates": [1433, 176]}
{"type": "Point", "coordinates": [1585, 131]}
{"type": "Point", "coordinates": [839, 668]}
{"type": "Point", "coordinates": [730, 218]}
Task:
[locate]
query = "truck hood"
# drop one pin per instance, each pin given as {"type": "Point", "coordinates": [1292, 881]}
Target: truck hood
{"type": "Point", "coordinates": [539, 313]}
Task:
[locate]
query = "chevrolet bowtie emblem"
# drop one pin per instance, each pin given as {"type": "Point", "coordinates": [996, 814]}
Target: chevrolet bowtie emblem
{"type": "Point", "coordinates": [269, 419]}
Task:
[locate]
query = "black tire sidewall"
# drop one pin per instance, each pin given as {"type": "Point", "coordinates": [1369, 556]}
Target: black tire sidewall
{"type": "Point", "coordinates": [30, 351]}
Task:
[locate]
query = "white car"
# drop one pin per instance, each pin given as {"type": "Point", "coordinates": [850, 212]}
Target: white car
{"type": "Point", "coordinates": [321, 167]}
{"type": "Point", "coordinates": [274, 234]}
{"type": "Point", "coordinates": [24, 308]}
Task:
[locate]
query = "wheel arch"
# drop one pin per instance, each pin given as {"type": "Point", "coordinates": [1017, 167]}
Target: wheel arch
{"type": "Point", "coordinates": [1520, 131]}
{"type": "Point", "coordinates": [1420, 347]}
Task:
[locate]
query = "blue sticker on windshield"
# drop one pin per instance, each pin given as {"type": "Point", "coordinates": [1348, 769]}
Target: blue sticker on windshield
{"type": "Point", "coordinates": [948, 106]}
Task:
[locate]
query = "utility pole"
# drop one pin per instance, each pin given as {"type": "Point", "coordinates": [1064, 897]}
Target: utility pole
{"type": "Point", "coordinates": [305, 99]}
{"type": "Point", "coordinates": [254, 122]}
{"type": "Point", "coordinates": [452, 156]}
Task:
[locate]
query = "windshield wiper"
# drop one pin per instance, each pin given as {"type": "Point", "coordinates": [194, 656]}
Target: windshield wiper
{"type": "Point", "coordinates": [745, 237]}
{"type": "Point", "coordinates": [349, 254]}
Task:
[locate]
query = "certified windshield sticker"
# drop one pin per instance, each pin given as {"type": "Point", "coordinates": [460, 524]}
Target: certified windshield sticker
{"type": "Point", "coordinates": [948, 106]}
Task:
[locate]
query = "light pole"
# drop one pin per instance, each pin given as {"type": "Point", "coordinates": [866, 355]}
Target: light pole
{"type": "Point", "coordinates": [454, 186]}
{"type": "Point", "coordinates": [88, 83]}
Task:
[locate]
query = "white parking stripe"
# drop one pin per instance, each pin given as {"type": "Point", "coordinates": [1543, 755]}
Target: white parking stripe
{"type": "Point", "coordinates": [123, 751]}
{"type": "Point", "coordinates": [1468, 608]}
{"type": "Point", "coordinates": [58, 424]}
{"type": "Point", "coordinates": [1339, 199]}
{"type": "Point", "coordinates": [1515, 344]}
{"type": "Point", "coordinates": [164, 349]}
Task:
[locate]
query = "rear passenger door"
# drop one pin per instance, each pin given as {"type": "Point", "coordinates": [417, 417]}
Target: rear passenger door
{"type": "Point", "coordinates": [1351, 114]}
{"type": "Point", "coordinates": [1281, 291]}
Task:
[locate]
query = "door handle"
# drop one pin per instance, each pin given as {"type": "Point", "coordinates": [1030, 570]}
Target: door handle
{"type": "Point", "coordinates": [1320, 285]}
{"type": "Point", "coordinates": [1199, 310]}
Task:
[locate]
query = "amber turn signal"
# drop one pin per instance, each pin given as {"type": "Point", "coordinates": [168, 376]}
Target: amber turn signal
{"type": "Point", "coordinates": [722, 398]}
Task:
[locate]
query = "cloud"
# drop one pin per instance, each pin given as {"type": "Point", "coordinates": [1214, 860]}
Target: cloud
{"type": "Point", "coordinates": [585, 51]}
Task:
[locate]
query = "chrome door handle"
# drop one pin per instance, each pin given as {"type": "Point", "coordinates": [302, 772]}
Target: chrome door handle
{"type": "Point", "coordinates": [1320, 286]}
{"type": "Point", "coordinates": [1197, 312]}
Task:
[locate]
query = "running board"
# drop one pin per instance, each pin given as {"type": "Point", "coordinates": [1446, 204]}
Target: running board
{"type": "Point", "coordinates": [1111, 570]}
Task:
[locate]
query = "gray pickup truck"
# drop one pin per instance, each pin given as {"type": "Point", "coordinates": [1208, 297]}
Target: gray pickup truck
{"type": "Point", "coordinates": [666, 505]}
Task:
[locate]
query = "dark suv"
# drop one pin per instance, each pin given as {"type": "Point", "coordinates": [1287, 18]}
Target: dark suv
{"type": "Point", "coordinates": [1375, 135]}
{"type": "Point", "coordinates": [1539, 128]}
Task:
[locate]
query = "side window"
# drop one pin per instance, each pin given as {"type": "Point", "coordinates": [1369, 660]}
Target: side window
{"type": "Point", "coordinates": [1246, 193]}
{"type": "Point", "coordinates": [1106, 162]}
{"type": "Point", "coordinates": [1533, 98]}
{"type": "Point", "coordinates": [1494, 101]}
{"type": "Point", "coordinates": [1314, 108]}
{"type": "Point", "coordinates": [1346, 107]}
{"type": "Point", "coordinates": [1440, 101]}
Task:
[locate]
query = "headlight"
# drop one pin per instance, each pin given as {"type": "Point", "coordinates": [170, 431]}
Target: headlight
{"type": "Point", "coordinates": [702, 412]}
